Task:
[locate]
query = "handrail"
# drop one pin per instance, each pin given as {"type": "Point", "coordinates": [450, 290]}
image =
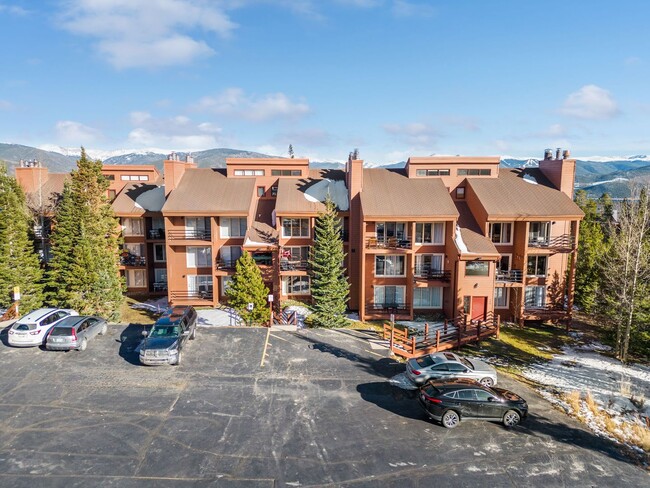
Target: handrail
{"type": "Point", "coordinates": [511, 276]}
{"type": "Point", "coordinates": [565, 241]}
{"type": "Point", "coordinates": [189, 234]}
{"type": "Point", "coordinates": [431, 274]}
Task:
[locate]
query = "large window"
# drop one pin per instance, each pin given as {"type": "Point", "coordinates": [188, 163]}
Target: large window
{"type": "Point", "coordinates": [134, 178]}
{"type": "Point", "coordinates": [132, 227]}
{"type": "Point", "coordinates": [386, 230]}
{"type": "Point", "coordinates": [295, 253]}
{"type": "Point", "coordinates": [136, 278]}
{"type": "Point", "coordinates": [477, 268]}
{"type": "Point", "coordinates": [390, 296]}
{"type": "Point", "coordinates": [430, 233]}
{"type": "Point", "coordinates": [501, 296]}
{"type": "Point", "coordinates": [159, 253]}
{"type": "Point", "coordinates": [536, 266]}
{"type": "Point", "coordinates": [535, 297]}
{"type": "Point", "coordinates": [430, 297]}
{"type": "Point", "coordinates": [199, 284]}
{"type": "Point", "coordinates": [295, 227]}
{"type": "Point", "coordinates": [249, 172]}
{"type": "Point", "coordinates": [230, 254]}
{"type": "Point", "coordinates": [538, 232]}
{"type": "Point", "coordinates": [197, 227]}
{"type": "Point", "coordinates": [503, 266]}
{"type": "Point", "coordinates": [199, 257]}
{"type": "Point", "coordinates": [160, 275]}
{"type": "Point", "coordinates": [427, 263]}
{"type": "Point", "coordinates": [474, 172]}
{"type": "Point", "coordinates": [232, 227]}
{"type": "Point", "coordinates": [295, 285]}
{"type": "Point", "coordinates": [431, 172]}
{"type": "Point", "coordinates": [501, 232]}
{"type": "Point", "coordinates": [286, 172]}
{"type": "Point", "coordinates": [389, 266]}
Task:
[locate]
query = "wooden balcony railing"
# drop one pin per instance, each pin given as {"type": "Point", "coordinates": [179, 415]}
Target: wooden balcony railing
{"type": "Point", "coordinates": [226, 264]}
{"type": "Point", "coordinates": [427, 273]}
{"type": "Point", "coordinates": [289, 265]}
{"type": "Point", "coordinates": [510, 276]}
{"type": "Point", "coordinates": [191, 295]}
{"type": "Point", "coordinates": [132, 260]}
{"type": "Point", "coordinates": [388, 243]}
{"type": "Point", "coordinates": [387, 307]}
{"type": "Point", "coordinates": [565, 242]}
{"type": "Point", "coordinates": [189, 235]}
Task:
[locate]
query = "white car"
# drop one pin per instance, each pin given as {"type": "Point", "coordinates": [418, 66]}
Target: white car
{"type": "Point", "coordinates": [32, 329]}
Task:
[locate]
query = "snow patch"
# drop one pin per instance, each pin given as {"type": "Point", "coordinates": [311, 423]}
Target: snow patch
{"type": "Point", "coordinates": [336, 189]}
{"type": "Point", "coordinates": [530, 179]}
{"type": "Point", "coordinates": [460, 244]}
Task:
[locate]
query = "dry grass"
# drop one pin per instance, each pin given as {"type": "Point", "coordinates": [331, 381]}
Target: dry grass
{"type": "Point", "coordinates": [573, 399]}
{"type": "Point", "coordinates": [592, 405]}
{"type": "Point", "coordinates": [641, 434]}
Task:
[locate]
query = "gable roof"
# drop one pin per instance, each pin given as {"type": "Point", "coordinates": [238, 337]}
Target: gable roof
{"type": "Point", "coordinates": [471, 239]}
{"type": "Point", "coordinates": [208, 191]}
{"type": "Point", "coordinates": [390, 193]}
{"type": "Point", "coordinates": [513, 195]}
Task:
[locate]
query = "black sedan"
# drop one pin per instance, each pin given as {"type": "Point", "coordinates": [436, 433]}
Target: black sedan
{"type": "Point", "coordinates": [449, 402]}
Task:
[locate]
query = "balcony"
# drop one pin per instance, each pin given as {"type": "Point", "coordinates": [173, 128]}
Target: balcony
{"type": "Point", "coordinates": [289, 265]}
{"type": "Point", "coordinates": [159, 286]}
{"type": "Point", "coordinates": [189, 235]}
{"type": "Point", "coordinates": [388, 243]}
{"type": "Point", "coordinates": [563, 243]}
{"type": "Point", "coordinates": [387, 307]}
{"type": "Point", "coordinates": [191, 295]}
{"type": "Point", "coordinates": [156, 234]}
{"type": "Point", "coordinates": [128, 259]}
{"type": "Point", "coordinates": [510, 276]}
{"type": "Point", "coordinates": [226, 264]}
{"type": "Point", "coordinates": [427, 273]}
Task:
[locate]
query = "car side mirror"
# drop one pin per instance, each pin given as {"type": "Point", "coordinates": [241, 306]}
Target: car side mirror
{"type": "Point", "coordinates": [145, 333]}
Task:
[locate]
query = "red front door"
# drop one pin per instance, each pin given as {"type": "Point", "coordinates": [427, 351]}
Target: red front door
{"type": "Point", "coordinates": [479, 308]}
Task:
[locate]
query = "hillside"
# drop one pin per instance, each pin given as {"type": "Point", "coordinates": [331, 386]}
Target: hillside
{"type": "Point", "coordinates": [13, 153]}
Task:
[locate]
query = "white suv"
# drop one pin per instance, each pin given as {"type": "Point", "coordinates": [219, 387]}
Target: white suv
{"type": "Point", "coordinates": [32, 329]}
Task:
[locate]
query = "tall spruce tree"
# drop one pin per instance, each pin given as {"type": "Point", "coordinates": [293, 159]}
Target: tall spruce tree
{"type": "Point", "coordinates": [83, 273]}
{"type": "Point", "coordinates": [247, 286]}
{"type": "Point", "coordinates": [19, 263]}
{"type": "Point", "coordinates": [330, 289]}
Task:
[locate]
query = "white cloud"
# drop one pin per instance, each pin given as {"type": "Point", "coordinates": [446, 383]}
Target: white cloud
{"type": "Point", "coordinates": [76, 133]}
{"type": "Point", "coordinates": [590, 102]}
{"type": "Point", "coordinates": [234, 102]}
{"type": "Point", "coordinates": [178, 132]}
{"type": "Point", "coordinates": [12, 9]}
{"type": "Point", "coordinates": [402, 8]}
{"type": "Point", "coordinates": [147, 33]}
{"type": "Point", "coordinates": [415, 133]}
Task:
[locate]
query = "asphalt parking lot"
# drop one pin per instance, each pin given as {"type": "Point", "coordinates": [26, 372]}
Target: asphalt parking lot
{"type": "Point", "coordinates": [319, 411]}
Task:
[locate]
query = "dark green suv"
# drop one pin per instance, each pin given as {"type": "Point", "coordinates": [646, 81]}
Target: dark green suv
{"type": "Point", "coordinates": [164, 343]}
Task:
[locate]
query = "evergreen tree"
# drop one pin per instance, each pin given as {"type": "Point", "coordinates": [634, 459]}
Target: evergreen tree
{"type": "Point", "coordinates": [329, 286]}
{"type": "Point", "coordinates": [247, 286]}
{"type": "Point", "coordinates": [19, 263]}
{"type": "Point", "coordinates": [291, 154]}
{"type": "Point", "coordinates": [83, 273]}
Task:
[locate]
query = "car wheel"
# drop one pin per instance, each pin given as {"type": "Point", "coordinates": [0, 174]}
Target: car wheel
{"type": "Point", "coordinates": [178, 359]}
{"type": "Point", "coordinates": [83, 345]}
{"type": "Point", "coordinates": [450, 419]}
{"type": "Point", "coordinates": [487, 381]}
{"type": "Point", "coordinates": [104, 330]}
{"type": "Point", "coordinates": [511, 418]}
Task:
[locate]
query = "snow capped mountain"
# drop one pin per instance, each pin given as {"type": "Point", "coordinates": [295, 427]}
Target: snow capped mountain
{"type": "Point", "coordinates": [102, 153]}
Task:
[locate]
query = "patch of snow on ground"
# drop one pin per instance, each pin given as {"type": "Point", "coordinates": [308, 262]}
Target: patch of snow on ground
{"type": "Point", "coordinates": [354, 317]}
{"type": "Point", "coordinates": [402, 381]}
{"type": "Point", "coordinates": [156, 306]}
{"type": "Point", "coordinates": [335, 188]}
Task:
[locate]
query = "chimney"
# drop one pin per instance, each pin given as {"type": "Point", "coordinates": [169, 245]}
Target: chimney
{"type": "Point", "coordinates": [354, 180]}
{"type": "Point", "coordinates": [31, 175]}
{"type": "Point", "coordinates": [174, 169]}
{"type": "Point", "coordinates": [189, 158]}
{"type": "Point", "coordinates": [560, 171]}
{"type": "Point", "coordinates": [548, 154]}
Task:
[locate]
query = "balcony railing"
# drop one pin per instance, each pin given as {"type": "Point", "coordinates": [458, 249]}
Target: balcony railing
{"type": "Point", "coordinates": [388, 243]}
{"type": "Point", "coordinates": [289, 265]}
{"type": "Point", "coordinates": [189, 235]}
{"type": "Point", "coordinates": [160, 286]}
{"type": "Point", "coordinates": [510, 276]}
{"type": "Point", "coordinates": [191, 295]}
{"type": "Point", "coordinates": [431, 274]}
{"type": "Point", "coordinates": [563, 242]}
{"type": "Point", "coordinates": [154, 234]}
{"type": "Point", "coordinates": [226, 263]}
{"type": "Point", "coordinates": [387, 307]}
{"type": "Point", "coordinates": [132, 260]}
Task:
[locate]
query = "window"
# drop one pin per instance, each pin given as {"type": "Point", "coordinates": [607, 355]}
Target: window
{"type": "Point", "coordinates": [430, 297]}
{"type": "Point", "coordinates": [134, 249]}
{"type": "Point", "coordinates": [110, 177]}
{"type": "Point", "coordinates": [136, 278]}
{"type": "Point", "coordinates": [233, 227]}
{"type": "Point", "coordinates": [536, 266]}
{"type": "Point", "coordinates": [474, 172]}
{"type": "Point", "coordinates": [295, 253]}
{"type": "Point", "coordinates": [261, 191]}
{"type": "Point", "coordinates": [389, 266]}
{"type": "Point", "coordinates": [535, 297]}
{"type": "Point", "coordinates": [386, 230]}
{"type": "Point", "coordinates": [431, 172]}
{"type": "Point", "coordinates": [503, 266]}
{"type": "Point", "coordinates": [295, 227]}
{"type": "Point", "coordinates": [427, 263]}
{"type": "Point", "coordinates": [430, 233]}
{"type": "Point", "coordinates": [460, 192]}
{"type": "Point", "coordinates": [501, 296]}
{"type": "Point", "coordinates": [199, 284]}
{"type": "Point", "coordinates": [199, 257]}
{"type": "Point", "coordinates": [159, 253]}
{"type": "Point", "coordinates": [134, 178]}
{"type": "Point", "coordinates": [477, 268]}
{"type": "Point", "coordinates": [230, 254]}
{"type": "Point", "coordinates": [132, 227]}
{"type": "Point", "coordinates": [538, 232]}
{"type": "Point", "coordinates": [286, 172]}
{"type": "Point", "coordinates": [225, 283]}
{"type": "Point", "coordinates": [389, 296]}
{"type": "Point", "coordinates": [501, 232]}
{"type": "Point", "coordinates": [295, 285]}
{"type": "Point", "coordinates": [160, 275]}
{"type": "Point", "coordinates": [197, 227]}
{"type": "Point", "coordinates": [249, 172]}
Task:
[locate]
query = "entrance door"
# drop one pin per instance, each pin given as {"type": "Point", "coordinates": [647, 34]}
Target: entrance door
{"type": "Point", "coordinates": [479, 308]}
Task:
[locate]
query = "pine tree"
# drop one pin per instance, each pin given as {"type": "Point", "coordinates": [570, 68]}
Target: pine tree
{"type": "Point", "coordinates": [247, 286]}
{"type": "Point", "coordinates": [19, 263]}
{"type": "Point", "coordinates": [329, 287]}
{"type": "Point", "coordinates": [83, 273]}
{"type": "Point", "coordinates": [291, 154]}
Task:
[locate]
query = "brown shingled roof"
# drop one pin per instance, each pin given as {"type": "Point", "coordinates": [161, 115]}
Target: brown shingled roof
{"type": "Point", "coordinates": [389, 193]}
{"type": "Point", "coordinates": [510, 197]}
{"type": "Point", "coordinates": [208, 191]}
{"type": "Point", "coordinates": [45, 199]}
{"type": "Point", "coordinates": [471, 233]}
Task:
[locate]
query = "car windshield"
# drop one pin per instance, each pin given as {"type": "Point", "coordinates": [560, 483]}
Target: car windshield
{"type": "Point", "coordinates": [425, 361]}
{"type": "Point", "coordinates": [61, 331]}
{"type": "Point", "coordinates": [165, 331]}
{"type": "Point", "coordinates": [466, 363]}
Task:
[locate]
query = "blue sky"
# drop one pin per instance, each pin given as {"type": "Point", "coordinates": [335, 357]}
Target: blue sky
{"type": "Point", "coordinates": [391, 77]}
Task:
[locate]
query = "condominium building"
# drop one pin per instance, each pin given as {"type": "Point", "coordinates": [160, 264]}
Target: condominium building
{"type": "Point", "coordinates": [447, 236]}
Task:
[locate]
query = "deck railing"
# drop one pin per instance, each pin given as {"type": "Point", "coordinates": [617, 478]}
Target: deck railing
{"type": "Point", "coordinates": [388, 243]}
{"type": "Point", "coordinates": [511, 276]}
{"type": "Point", "coordinates": [565, 242]}
{"type": "Point", "coordinates": [189, 235]}
{"type": "Point", "coordinates": [191, 295]}
{"type": "Point", "coordinates": [427, 273]}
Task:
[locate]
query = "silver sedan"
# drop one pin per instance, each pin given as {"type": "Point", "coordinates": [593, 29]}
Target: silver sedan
{"type": "Point", "coordinates": [447, 365]}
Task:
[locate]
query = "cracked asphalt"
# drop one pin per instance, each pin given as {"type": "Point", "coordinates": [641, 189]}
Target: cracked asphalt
{"type": "Point", "coordinates": [319, 411]}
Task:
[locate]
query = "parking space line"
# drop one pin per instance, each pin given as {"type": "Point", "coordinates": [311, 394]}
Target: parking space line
{"type": "Point", "coordinates": [365, 341]}
{"type": "Point", "coordinates": [281, 338]}
{"type": "Point", "coordinates": [266, 344]}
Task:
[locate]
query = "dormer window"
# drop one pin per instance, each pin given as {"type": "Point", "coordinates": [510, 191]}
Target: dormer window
{"type": "Point", "coordinates": [432, 172]}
